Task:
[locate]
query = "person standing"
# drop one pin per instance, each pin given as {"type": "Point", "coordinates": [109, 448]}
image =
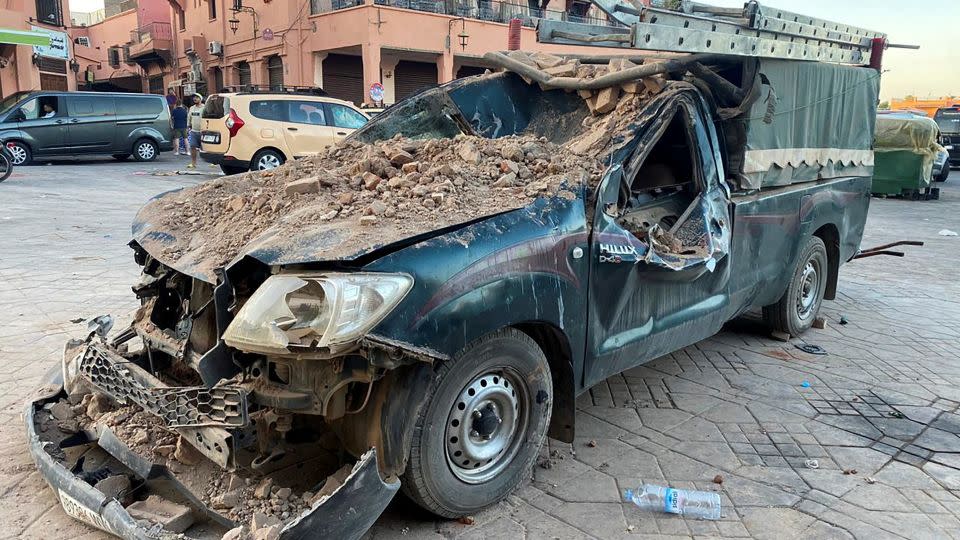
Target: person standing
{"type": "Point", "coordinates": [195, 113]}
{"type": "Point", "coordinates": [178, 121]}
{"type": "Point", "coordinates": [171, 98]}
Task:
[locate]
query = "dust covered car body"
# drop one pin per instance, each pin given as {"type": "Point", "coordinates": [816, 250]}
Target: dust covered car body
{"type": "Point", "coordinates": [421, 305]}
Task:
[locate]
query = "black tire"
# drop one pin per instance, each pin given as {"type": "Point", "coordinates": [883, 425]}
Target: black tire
{"type": "Point", "coordinates": [6, 166]}
{"type": "Point", "coordinates": [942, 177]}
{"type": "Point", "coordinates": [228, 170]}
{"type": "Point", "coordinates": [20, 153]}
{"type": "Point", "coordinates": [266, 157]}
{"type": "Point", "coordinates": [507, 361]}
{"type": "Point", "coordinates": [795, 311]}
{"type": "Point", "coordinates": [145, 150]}
{"type": "Point", "coordinates": [120, 157]}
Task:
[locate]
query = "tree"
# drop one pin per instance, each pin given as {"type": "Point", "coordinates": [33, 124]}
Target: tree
{"type": "Point", "coordinates": [884, 105]}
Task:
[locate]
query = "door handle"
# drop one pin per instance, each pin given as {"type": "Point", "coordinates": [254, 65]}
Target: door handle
{"type": "Point", "coordinates": [291, 129]}
{"type": "Point", "coordinates": [74, 121]}
{"type": "Point", "coordinates": [341, 133]}
{"type": "Point", "coordinates": [59, 121]}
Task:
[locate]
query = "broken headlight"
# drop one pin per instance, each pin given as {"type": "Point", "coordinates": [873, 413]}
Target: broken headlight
{"type": "Point", "coordinates": [290, 313]}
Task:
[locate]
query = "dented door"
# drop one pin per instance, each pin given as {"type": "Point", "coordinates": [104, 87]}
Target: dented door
{"type": "Point", "coordinates": [648, 298]}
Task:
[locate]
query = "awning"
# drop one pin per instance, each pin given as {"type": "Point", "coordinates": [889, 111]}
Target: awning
{"type": "Point", "coordinates": [24, 37]}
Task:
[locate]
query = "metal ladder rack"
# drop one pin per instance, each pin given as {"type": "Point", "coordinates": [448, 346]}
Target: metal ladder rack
{"type": "Point", "coordinates": [700, 28]}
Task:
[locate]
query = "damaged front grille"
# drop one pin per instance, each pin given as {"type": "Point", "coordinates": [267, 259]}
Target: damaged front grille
{"type": "Point", "coordinates": [195, 406]}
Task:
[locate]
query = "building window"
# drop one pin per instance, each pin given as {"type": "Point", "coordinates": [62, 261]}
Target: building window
{"type": "Point", "coordinates": [217, 80]}
{"type": "Point", "coordinates": [113, 56]}
{"type": "Point", "coordinates": [156, 84]}
{"type": "Point", "coordinates": [243, 73]}
{"type": "Point", "coordinates": [181, 20]}
{"type": "Point", "coordinates": [275, 71]}
{"type": "Point", "coordinates": [213, 8]}
{"type": "Point", "coordinates": [50, 12]}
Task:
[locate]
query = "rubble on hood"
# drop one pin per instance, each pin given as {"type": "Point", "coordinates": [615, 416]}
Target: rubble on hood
{"type": "Point", "coordinates": [373, 193]}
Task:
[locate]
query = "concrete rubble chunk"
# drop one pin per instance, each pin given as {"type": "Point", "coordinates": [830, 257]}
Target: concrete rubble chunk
{"type": "Point", "coordinates": [585, 94]}
{"type": "Point", "coordinates": [508, 166]}
{"type": "Point", "coordinates": [368, 220]}
{"type": "Point", "coordinates": [413, 166]}
{"type": "Point", "coordinates": [370, 180]}
{"type": "Point", "coordinates": [400, 158]}
{"type": "Point", "coordinates": [114, 486]}
{"type": "Point", "coordinates": [62, 411]}
{"type": "Point", "coordinates": [227, 500]}
{"type": "Point", "coordinates": [506, 180]}
{"type": "Point", "coordinates": [262, 490]}
{"type": "Point", "coordinates": [185, 453]}
{"type": "Point", "coordinates": [173, 517]}
{"type": "Point", "coordinates": [98, 404]}
{"type": "Point", "coordinates": [512, 152]}
{"type": "Point", "coordinates": [607, 99]}
{"type": "Point", "coordinates": [283, 493]}
{"type": "Point", "coordinates": [268, 533]}
{"type": "Point", "coordinates": [237, 203]}
{"type": "Point", "coordinates": [469, 153]}
{"type": "Point", "coordinates": [654, 84]}
{"type": "Point", "coordinates": [261, 520]}
{"type": "Point", "coordinates": [546, 60]}
{"type": "Point", "coordinates": [568, 69]}
{"type": "Point", "coordinates": [235, 533]}
{"type": "Point", "coordinates": [521, 56]}
{"type": "Point", "coordinates": [304, 186]}
{"type": "Point", "coordinates": [235, 482]}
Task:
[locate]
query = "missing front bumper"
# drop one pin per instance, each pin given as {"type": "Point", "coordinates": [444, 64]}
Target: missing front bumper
{"type": "Point", "coordinates": [347, 513]}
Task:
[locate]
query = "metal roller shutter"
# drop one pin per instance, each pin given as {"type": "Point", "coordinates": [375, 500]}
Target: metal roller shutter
{"type": "Point", "coordinates": [243, 73]}
{"type": "Point", "coordinates": [275, 72]}
{"type": "Point", "coordinates": [413, 76]}
{"type": "Point", "coordinates": [343, 77]}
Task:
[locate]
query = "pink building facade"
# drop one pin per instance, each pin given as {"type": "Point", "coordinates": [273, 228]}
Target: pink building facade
{"type": "Point", "coordinates": [26, 67]}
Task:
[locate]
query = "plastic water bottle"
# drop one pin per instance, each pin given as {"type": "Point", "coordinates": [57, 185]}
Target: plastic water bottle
{"type": "Point", "coordinates": [695, 504]}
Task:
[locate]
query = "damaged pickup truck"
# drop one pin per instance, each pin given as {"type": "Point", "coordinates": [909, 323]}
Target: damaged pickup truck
{"type": "Point", "coordinates": [419, 307]}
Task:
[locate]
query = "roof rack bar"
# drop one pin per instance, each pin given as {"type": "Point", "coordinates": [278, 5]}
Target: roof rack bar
{"type": "Point", "coordinates": [700, 28]}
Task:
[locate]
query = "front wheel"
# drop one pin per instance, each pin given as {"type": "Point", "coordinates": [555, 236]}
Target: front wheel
{"type": "Point", "coordinates": [798, 307]}
{"type": "Point", "coordinates": [6, 166]}
{"type": "Point", "coordinates": [145, 150]}
{"type": "Point", "coordinates": [477, 436]}
{"type": "Point", "coordinates": [229, 169]}
{"type": "Point", "coordinates": [19, 153]}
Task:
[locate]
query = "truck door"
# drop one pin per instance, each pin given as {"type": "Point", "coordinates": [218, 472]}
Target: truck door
{"type": "Point", "coordinates": [92, 124]}
{"type": "Point", "coordinates": [659, 245]}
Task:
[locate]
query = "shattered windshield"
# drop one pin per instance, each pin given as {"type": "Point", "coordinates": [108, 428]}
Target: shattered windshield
{"type": "Point", "coordinates": [428, 115]}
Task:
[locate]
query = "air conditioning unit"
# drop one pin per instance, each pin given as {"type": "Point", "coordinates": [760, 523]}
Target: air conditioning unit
{"type": "Point", "coordinates": [215, 48]}
{"type": "Point", "coordinates": [193, 77]}
{"type": "Point", "coordinates": [82, 40]}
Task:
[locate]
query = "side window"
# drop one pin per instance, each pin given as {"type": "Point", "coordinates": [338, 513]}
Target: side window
{"type": "Point", "coordinates": [139, 105]}
{"type": "Point", "coordinates": [41, 107]}
{"type": "Point", "coordinates": [268, 109]}
{"type": "Point", "coordinates": [31, 109]}
{"type": "Point", "coordinates": [306, 112]}
{"type": "Point", "coordinates": [87, 106]}
{"type": "Point", "coordinates": [345, 117]}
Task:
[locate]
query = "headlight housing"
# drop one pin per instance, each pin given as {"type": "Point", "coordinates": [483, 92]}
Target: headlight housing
{"type": "Point", "coordinates": [295, 313]}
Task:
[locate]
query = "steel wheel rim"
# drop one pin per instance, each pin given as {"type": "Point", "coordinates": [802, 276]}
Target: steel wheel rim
{"type": "Point", "coordinates": [267, 162]}
{"type": "Point", "coordinates": [145, 150]}
{"type": "Point", "coordinates": [18, 154]}
{"type": "Point", "coordinates": [485, 425]}
{"type": "Point", "coordinates": [809, 290]}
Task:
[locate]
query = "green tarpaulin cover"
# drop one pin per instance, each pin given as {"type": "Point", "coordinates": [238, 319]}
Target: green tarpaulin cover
{"type": "Point", "coordinates": [905, 149]}
{"type": "Point", "coordinates": [808, 121]}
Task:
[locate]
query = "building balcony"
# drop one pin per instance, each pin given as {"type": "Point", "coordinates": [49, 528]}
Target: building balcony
{"type": "Point", "coordinates": [481, 10]}
{"type": "Point", "coordinates": [152, 43]}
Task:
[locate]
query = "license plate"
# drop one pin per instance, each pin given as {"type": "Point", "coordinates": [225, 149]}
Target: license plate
{"type": "Point", "coordinates": [74, 509]}
{"type": "Point", "coordinates": [210, 138]}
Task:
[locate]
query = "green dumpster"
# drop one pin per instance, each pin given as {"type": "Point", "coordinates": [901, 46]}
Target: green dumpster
{"type": "Point", "coordinates": [904, 149]}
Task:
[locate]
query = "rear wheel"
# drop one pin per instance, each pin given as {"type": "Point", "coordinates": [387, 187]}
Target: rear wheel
{"type": "Point", "coordinates": [120, 157]}
{"type": "Point", "coordinates": [6, 167]}
{"type": "Point", "coordinates": [482, 426]}
{"type": "Point", "coordinates": [145, 150]}
{"type": "Point", "coordinates": [798, 307]}
{"type": "Point", "coordinates": [228, 169]}
{"type": "Point", "coordinates": [266, 160]}
{"type": "Point", "coordinates": [19, 153]}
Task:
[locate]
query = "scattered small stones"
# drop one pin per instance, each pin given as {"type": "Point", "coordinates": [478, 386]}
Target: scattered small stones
{"type": "Point", "coordinates": [843, 321]}
{"type": "Point", "coordinates": [849, 471]}
{"type": "Point", "coordinates": [820, 323]}
{"type": "Point", "coordinates": [718, 479]}
{"type": "Point", "coordinates": [466, 520]}
{"type": "Point", "coordinates": [592, 443]}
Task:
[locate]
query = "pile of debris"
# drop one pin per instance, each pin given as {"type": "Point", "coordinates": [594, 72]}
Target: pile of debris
{"type": "Point", "coordinates": [260, 505]}
{"type": "Point", "coordinates": [368, 194]}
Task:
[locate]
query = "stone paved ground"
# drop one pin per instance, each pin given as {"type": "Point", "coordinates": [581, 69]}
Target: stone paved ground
{"type": "Point", "coordinates": [884, 400]}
